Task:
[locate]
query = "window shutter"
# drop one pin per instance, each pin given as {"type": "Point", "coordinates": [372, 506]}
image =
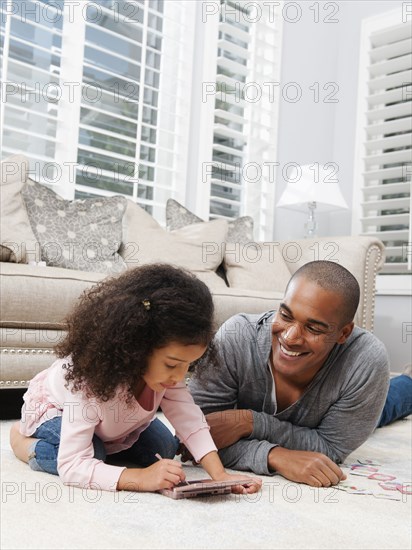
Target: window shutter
{"type": "Point", "coordinates": [31, 59]}
{"type": "Point", "coordinates": [245, 115]}
{"type": "Point", "coordinates": [100, 90]}
{"type": "Point", "coordinates": [386, 179]}
{"type": "Point", "coordinates": [229, 116]}
{"type": "Point", "coordinates": [136, 134]}
{"type": "Point", "coordinates": [102, 98]}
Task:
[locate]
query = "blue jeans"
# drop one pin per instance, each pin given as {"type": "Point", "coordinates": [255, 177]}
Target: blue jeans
{"type": "Point", "coordinates": [398, 401]}
{"type": "Point", "coordinates": [157, 438]}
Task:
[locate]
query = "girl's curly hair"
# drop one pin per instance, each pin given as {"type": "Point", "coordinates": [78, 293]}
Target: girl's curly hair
{"type": "Point", "coordinates": [113, 329]}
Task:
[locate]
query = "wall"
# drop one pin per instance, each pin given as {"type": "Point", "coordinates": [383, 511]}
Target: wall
{"type": "Point", "coordinates": [325, 132]}
{"type": "Point", "coordinates": [393, 325]}
{"type": "Point", "coordinates": [309, 131]}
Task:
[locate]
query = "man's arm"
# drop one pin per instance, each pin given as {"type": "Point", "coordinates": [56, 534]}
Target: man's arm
{"type": "Point", "coordinates": [349, 412]}
{"type": "Point", "coordinates": [347, 423]}
{"type": "Point", "coordinates": [314, 469]}
{"type": "Point", "coordinates": [220, 390]}
{"type": "Point", "coordinates": [302, 454]}
{"type": "Point", "coordinates": [349, 420]}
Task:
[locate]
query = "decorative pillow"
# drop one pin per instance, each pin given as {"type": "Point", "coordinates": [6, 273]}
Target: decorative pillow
{"type": "Point", "coordinates": [5, 254]}
{"type": "Point", "coordinates": [78, 234]}
{"type": "Point", "coordinates": [256, 266]}
{"type": "Point", "coordinates": [18, 242]}
{"type": "Point", "coordinates": [198, 247]}
{"type": "Point", "coordinates": [240, 230]}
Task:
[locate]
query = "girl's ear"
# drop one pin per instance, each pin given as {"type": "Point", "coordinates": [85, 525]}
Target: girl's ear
{"type": "Point", "coordinates": [345, 332]}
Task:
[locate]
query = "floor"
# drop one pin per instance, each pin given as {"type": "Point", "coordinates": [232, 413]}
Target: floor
{"type": "Point", "coordinates": [38, 511]}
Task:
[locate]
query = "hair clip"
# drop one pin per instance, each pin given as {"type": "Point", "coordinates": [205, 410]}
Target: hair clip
{"type": "Point", "coordinates": [146, 304]}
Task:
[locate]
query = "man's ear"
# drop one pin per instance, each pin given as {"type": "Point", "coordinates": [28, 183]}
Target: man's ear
{"type": "Point", "coordinates": [345, 332]}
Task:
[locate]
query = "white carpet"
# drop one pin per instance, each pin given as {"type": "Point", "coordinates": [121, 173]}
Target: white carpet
{"type": "Point", "coordinates": [38, 512]}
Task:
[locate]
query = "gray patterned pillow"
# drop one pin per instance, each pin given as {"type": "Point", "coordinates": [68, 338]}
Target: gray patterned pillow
{"type": "Point", "coordinates": [240, 230]}
{"type": "Point", "coordinates": [78, 234]}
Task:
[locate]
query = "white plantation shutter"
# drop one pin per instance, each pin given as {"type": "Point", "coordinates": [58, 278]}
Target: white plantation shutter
{"type": "Point", "coordinates": [31, 59]}
{"type": "Point", "coordinates": [124, 129]}
{"type": "Point", "coordinates": [136, 133]}
{"type": "Point", "coordinates": [175, 97]}
{"type": "Point", "coordinates": [262, 124]}
{"type": "Point", "coordinates": [229, 121]}
{"type": "Point", "coordinates": [386, 144]}
{"type": "Point", "coordinates": [105, 97]}
{"type": "Point", "coordinates": [244, 129]}
{"type": "Point", "coordinates": [108, 125]}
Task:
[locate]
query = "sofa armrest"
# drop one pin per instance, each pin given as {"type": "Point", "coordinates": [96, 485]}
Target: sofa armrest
{"type": "Point", "coordinates": [362, 256]}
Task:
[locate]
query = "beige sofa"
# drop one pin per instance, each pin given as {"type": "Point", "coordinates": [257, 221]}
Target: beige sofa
{"type": "Point", "coordinates": [35, 300]}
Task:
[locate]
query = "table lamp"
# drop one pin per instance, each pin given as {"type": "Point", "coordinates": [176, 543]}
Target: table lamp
{"type": "Point", "coordinates": [310, 188]}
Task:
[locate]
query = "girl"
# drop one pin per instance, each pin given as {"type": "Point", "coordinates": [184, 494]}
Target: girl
{"type": "Point", "coordinates": [129, 344]}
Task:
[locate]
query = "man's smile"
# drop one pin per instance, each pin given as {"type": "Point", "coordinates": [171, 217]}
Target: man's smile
{"type": "Point", "coordinates": [290, 353]}
{"type": "Point", "coordinates": [286, 350]}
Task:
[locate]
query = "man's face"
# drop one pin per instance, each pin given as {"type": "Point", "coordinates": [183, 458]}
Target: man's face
{"type": "Point", "coordinates": [307, 325]}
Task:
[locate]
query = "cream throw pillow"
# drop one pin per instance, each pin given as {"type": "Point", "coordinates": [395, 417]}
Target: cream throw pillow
{"type": "Point", "coordinates": [198, 247]}
{"type": "Point", "coordinates": [257, 265]}
{"type": "Point", "coordinates": [239, 230]}
{"type": "Point", "coordinates": [16, 233]}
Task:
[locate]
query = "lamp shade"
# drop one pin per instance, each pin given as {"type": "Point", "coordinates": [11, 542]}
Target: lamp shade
{"type": "Point", "coordinates": [312, 183]}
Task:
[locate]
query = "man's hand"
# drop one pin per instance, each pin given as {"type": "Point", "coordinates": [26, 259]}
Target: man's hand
{"type": "Point", "coordinates": [314, 469]}
{"type": "Point", "coordinates": [227, 427]}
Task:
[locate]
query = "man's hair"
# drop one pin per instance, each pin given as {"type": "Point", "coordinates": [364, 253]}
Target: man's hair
{"type": "Point", "coordinates": [334, 278]}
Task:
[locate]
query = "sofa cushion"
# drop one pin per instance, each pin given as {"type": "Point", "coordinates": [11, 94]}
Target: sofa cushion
{"type": "Point", "coordinates": [240, 230]}
{"type": "Point", "coordinates": [256, 265]}
{"type": "Point", "coordinates": [41, 297]}
{"type": "Point", "coordinates": [231, 301]}
{"type": "Point", "coordinates": [198, 247]}
{"type": "Point", "coordinates": [76, 234]}
{"type": "Point", "coordinates": [16, 233]}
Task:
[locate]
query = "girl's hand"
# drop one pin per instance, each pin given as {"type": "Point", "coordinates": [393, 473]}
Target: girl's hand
{"type": "Point", "coordinates": [213, 466]}
{"type": "Point", "coordinates": [254, 486]}
{"type": "Point", "coordinates": [164, 474]}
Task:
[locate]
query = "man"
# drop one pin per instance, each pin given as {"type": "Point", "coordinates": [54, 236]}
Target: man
{"type": "Point", "coordinates": [299, 388]}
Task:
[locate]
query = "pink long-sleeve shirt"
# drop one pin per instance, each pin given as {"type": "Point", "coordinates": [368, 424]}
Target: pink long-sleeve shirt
{"type": "Point", "coordinates": [116, 423]}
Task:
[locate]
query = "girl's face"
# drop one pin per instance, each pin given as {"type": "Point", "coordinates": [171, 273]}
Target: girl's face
{"type": "Point", "coordinates": [167, 366]}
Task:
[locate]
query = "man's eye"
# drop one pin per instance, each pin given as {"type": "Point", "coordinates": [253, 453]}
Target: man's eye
{"type": "Point", "coordinates": [315, 330]}
{"type": "Point", "coordinates": [170, 366]}
{"type": "Point", "coordinates": [284, 315]}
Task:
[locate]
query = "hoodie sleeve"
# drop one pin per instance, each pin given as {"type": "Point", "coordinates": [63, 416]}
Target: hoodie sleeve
{"type": "Point", "coordinates": [76, 464]}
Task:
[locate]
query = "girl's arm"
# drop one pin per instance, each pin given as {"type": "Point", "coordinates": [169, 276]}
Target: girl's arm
{"type": "Point", "coordinates": [193, 431]}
